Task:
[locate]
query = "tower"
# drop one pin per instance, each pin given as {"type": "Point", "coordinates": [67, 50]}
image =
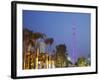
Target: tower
{"type": "Point", "coordinates": [74, 43]}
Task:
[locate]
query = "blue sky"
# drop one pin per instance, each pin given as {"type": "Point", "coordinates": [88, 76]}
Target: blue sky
{"type": "Point", "coordinates": [58, 25]}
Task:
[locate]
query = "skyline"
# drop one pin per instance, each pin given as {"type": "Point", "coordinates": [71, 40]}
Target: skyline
{"type": "Point", "coordinates": [58, 25]}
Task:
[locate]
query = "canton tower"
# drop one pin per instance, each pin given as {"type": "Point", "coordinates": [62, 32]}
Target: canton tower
{"type": "Point", "coordinates": [74, 43]}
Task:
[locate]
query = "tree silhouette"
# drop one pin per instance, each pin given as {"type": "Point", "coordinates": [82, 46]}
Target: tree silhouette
{"type": "Point", "coordinates": [49, 41]}
{"type": "Point", "coordinates": [61, 55]}
{"type": "Point", "coordinates": [81, 62]}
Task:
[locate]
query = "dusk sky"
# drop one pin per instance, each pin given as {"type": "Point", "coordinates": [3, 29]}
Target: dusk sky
{"type": "Point", "coordinates": [58, 25]}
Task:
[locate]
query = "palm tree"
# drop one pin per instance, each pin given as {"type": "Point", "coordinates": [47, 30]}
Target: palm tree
{"type": "Point", "coordinates": [51, 41]}
{"type": "Point", "coordinates": [37, 36]}
{"type": "Point", "coordinates": [27, 36]}
{"type": "Point", "coordinates": [48, 41]}
{"type": "Point", "coordinates": [27, 44]}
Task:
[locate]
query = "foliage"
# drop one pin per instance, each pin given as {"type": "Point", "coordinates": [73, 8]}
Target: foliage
{"type": "Point", "coordinates": [81, 62]}
{"type": "Point", "coordinates": [61, 59]}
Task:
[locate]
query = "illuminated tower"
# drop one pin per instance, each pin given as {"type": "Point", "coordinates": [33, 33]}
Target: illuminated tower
{"type": "Point", "coordinates": [74, 44]}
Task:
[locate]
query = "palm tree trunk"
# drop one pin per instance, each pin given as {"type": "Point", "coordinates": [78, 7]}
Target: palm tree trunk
{"type": "Point", "coordinates": [47, 61]}
{"type": "Point", "coordinates": [37, 54]}
{"type": "Point", "coordinates": [24, 61]}
{"type": "Point", "coordinates": [28, 61]}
